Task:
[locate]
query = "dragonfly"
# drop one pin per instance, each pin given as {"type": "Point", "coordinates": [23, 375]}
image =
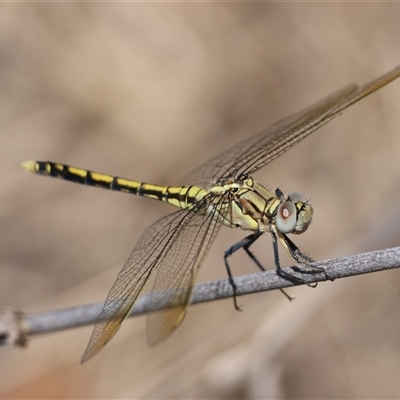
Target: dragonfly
{"type": "Point", "coordinates": [220, 192]}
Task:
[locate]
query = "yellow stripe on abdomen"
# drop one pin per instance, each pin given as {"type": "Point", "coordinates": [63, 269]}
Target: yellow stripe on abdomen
{"type": "Point", "coordinates": [178, 196]}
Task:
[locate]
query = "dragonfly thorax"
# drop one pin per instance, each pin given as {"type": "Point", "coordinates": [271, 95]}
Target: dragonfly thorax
{"type": "Point", "coordinates": [225, 187]}
{"type": "Point", "coordinates": [254, 207]}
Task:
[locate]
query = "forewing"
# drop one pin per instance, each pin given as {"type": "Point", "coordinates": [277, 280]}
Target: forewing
{"type": "Point", "coordinates": [253, 153]}
{"type": "Point", "coordinates": [132, 279]}
{"type": "Point", "coordinates": [179, 269]}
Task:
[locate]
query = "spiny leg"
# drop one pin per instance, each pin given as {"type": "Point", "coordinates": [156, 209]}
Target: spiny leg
{"type": "Point", "coordinates": [296, 255]}
{"type": "Point", "coordinates": [248, 240]}
{"type": "Point", "coordinates": [302, 258]}
{"type": "Point", "coordinates": [280, 271]}
{"type": "Point", "coordinates": [259, 265]}
{"type": "Point", "coordinates": [245, 244]}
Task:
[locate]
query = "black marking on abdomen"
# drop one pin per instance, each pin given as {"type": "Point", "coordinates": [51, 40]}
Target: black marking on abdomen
{"type": "Point", "coordinates": [116, 185]}
{"type": "Point", "coordinates": [146, 192]}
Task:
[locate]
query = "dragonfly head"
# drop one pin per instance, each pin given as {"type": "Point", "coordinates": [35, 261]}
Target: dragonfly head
{"type": "Point", "coordinates": [294, 214]}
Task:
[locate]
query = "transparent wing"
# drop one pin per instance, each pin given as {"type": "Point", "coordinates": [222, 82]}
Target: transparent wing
{"type": "Point", "coordinates": [251, 154]}
{"type": "Point", "coordinates": [164, 244]}
{"type": "Point", "coordinates": [178, 272]}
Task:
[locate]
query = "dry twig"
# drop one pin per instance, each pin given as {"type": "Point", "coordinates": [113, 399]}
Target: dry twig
{"type": "Point", "coordinates": [16, 327]}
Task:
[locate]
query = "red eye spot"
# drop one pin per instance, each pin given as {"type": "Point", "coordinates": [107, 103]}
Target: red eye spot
{"type": "Point", "coordinates": [285, 212]}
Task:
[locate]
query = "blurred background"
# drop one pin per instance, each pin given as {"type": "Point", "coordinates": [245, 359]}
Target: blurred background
{"type": "Point", "coordinates": [149, 91]}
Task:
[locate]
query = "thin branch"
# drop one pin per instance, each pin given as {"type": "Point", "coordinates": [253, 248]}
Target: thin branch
{"type": "Point", "coordinates": [16, 327]}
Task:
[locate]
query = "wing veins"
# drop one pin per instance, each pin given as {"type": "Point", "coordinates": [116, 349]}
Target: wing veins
{"type": "Point", "coordinates": [133, 278]}
{"type": "Point", "coordinates": [177, 274]}
{"type": "Point", "coordinates": [253, 153]}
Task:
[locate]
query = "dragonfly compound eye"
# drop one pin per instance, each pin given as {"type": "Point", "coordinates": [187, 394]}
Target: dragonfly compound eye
{"type": "Point", "coordinates": [286, 218]}
{"type": "Point", "coordinates": [297, 197]}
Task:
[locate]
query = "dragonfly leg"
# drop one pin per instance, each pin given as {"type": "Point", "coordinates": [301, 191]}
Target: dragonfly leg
{"type": "Point", "coordinates": [245, 244]}
{"type": "Point", "coordinates": [297, 256]}
{"type": "Point", "coordinates": [279, 269]}
{"type": "Point", "coordinates": [302, 258]}
{"type": "Point", "coordinates": [259, 265]}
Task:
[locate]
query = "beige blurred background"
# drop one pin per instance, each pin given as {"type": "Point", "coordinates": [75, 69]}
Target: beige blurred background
{"type": "Point", "coordinates": [148, 91]}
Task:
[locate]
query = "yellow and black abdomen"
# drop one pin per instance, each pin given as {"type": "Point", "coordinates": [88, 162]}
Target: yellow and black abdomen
{"type": "Point", "coordinates": [178, 196]}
